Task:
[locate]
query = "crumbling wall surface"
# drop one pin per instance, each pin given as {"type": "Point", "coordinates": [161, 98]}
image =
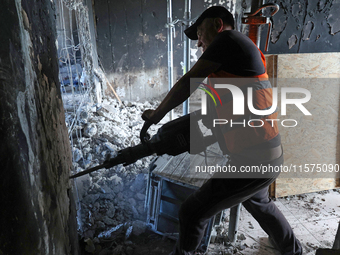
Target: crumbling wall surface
{"type": "Point", "coordinates": [305, 27]}
{"type": "Point", "coordinates": [132, 43]}
{"type": "Point", "coordinates": [132, 49]}
{"type": "Point", "coordinates": [35, 151]}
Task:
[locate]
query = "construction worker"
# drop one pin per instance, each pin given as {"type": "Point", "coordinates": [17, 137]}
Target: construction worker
{"type": "Point", "coordinates": [230, 54]}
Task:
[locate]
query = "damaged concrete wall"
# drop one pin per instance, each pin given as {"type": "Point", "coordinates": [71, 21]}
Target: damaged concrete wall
{"type": "Point", "coordinates": [36, 215]}
{"type": "Point", "coordinates": [132, 43]}
{"type": "Point", "coordinates": [305, 27]}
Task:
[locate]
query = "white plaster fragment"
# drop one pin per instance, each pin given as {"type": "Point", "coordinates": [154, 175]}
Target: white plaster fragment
{"type": "Point", "coordinates": [109, 232]}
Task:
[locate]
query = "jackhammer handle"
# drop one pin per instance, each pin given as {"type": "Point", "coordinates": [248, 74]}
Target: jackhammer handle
{"type": "Point", "coordinates": [144, 136]}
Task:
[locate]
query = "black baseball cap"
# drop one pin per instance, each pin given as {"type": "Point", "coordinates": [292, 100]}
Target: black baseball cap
{"type": "Point", "coordinates": [212, 12]}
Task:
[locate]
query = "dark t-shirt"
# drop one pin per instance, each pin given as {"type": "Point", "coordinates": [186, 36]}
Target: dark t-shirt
{"type": "Point", "coordinates": [237, 54]}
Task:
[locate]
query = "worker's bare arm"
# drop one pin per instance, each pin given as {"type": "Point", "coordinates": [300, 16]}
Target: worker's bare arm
{"type": "Point", "coordinates": [182, 89]}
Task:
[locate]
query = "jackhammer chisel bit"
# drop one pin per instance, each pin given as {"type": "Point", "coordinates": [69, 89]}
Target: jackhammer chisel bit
{"type": "Point", "coordinates": [173, 138]}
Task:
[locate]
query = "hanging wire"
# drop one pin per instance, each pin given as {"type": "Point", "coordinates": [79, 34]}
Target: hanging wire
{"type": "Point", "coordinates": [76, 74]}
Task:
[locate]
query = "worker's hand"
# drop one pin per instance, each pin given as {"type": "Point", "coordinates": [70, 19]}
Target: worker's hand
{"type": "Point", "coordinates": [147, 116]}
{"type": "Point", "coordinates": [144, 136]}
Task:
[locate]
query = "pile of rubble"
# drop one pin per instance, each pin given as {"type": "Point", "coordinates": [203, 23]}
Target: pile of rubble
{"type": "Point", "coordinates": [109, 201]}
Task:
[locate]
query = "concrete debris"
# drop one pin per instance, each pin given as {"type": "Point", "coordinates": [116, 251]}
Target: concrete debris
{"type": "Point", "coordinates": [77, 154]}
{"type": "Point", "coordinates": [90, 130]}
{"type": "Point", "coordinates": [250, 225]}
{"type": "Point", "coordinates": [109, 221]}
{"type": "Point", "coordinates": [89, 245]}
{"type": "Point", "coordinates": [110, 146]}
{"type": "Point", "coordinates": [108, 198]}
{"type": "Point", "coordinates": [241, 237]}
{"type": "Point", "coordinates": [129, 250]}
{"type": "Point", "coordinates": [118, 250]}
{"type": "Point", "coordinates": [107, 234]}
{"type": "Point", "coordinates": [128, 232]}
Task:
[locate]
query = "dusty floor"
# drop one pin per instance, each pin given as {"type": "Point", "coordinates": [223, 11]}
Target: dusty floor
{"type": "Point", "coordinates": [314, 218]}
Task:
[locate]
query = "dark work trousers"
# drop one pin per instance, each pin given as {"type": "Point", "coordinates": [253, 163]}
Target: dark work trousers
{"type": "Point", "coordinates": [218, 194]}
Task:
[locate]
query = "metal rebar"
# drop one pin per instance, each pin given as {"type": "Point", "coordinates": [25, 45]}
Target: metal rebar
{"type": "Point", "coordinates": [170, 48]}
{"type": "Point", "coordinates": [186, 48]}
{"type": "Point", "coordinates": [233, 222]}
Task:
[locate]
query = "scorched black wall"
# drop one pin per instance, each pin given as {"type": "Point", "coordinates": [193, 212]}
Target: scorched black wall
{"type": "Point", "coordinates": [35, 214]}
{"type": "Point", "coordinates": [132, 37]}
{"type": "Point", "coordinates": [305, 27]}
{"type": "Point", "coordinates": [132, 43]}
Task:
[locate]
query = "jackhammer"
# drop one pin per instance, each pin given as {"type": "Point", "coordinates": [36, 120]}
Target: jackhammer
{"type": "Point", "coordinates": [173, 138]}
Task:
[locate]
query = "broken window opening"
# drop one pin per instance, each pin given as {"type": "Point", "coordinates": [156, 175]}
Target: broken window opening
{"type": "Point", "coordinates": [108, 198]}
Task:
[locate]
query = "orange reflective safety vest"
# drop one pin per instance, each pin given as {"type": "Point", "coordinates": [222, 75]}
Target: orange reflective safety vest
{"type": "Point", "coordinates": [247, 130]}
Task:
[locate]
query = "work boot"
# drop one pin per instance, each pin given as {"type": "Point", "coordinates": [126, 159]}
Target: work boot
{"type": "Point", "coordinates": [275, 246]}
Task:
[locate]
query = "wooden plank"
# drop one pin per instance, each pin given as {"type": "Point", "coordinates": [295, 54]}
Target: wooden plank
{"type": "Point", "coordinates": [315, 139]}
{"type": "Point", "coordinates": [293, 186]}
{"type": "Point", "coordinates": [272, 189]}
{"type": "Point", "coordinates": [191, 176]}
{"type": "Point", "coordinates": [181, 169]}
{"type": "Point", "coordinates": [161, 163]}
{"type": "Point", "coordinates": [167, 169]}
